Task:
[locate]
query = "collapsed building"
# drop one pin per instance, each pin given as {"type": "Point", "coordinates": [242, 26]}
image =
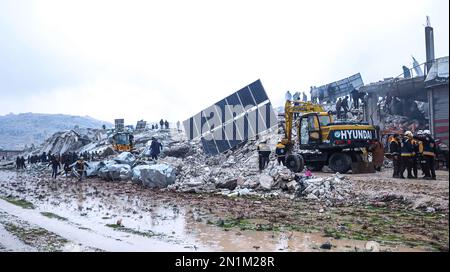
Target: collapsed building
{"type": "Point", "coordinates": [412, 103]}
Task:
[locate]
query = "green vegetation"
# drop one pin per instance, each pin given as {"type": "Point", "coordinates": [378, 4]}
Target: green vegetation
{"type": "Point", "coordinates": [52, 215]}
{"type": "Point", "coordinates": [19, 202]}
{"type": "Point", "coordinates": [132, 231]}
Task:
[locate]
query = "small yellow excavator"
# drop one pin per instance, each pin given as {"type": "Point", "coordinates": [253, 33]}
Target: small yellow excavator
{"type": "Point", "coordinates": [341, 145]}
{"type": "Point", "coordinates": [122, 141]}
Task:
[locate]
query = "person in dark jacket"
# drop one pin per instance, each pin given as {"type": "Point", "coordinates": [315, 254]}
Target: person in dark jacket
{"type": "Point", "coordinates": [407, 153]}
{"type": "Point", "coordinates": [338, 108]}
{"type": "Point", "coordinates": [355, 96]}
{"type": "Point", "coordinates": [394, 149]}
{"type": "Point", "coordinates": [280, 150]}
{"type": "Point", "coordinates": [155, 148]}
{"type": "Point", "coordinates": [55, 166]}
{"type": "Point", "coordinates": [345, 106]}
{"type": "Point", "coordinates": [263, 155]}
{"type": "Point", "coordinates": [166, 124]}
{"type": "Point", "coordinates": [429, 155]}
{"type": "Point", "coordinates": [80, 167]}
{"type": "Point", "coordinates": [161, 123]}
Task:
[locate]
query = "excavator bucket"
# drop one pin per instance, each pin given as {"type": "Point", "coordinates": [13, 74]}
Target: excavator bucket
{"type": "Point", "coordinates": [362, 167]}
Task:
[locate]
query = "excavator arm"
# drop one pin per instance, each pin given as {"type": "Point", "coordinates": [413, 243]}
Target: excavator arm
{"type": "Point", "coordinates": [292, 107]}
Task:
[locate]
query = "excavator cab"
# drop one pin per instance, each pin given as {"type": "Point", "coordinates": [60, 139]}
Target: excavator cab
{"type": "Point", "coordinates": [122, 141]}
{"type": "Point", "coordinates": [310, 128]}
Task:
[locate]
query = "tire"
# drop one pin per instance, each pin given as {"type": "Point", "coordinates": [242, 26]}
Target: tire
{"type": "Point", "coordinates": [295, 163]}
{"type": "Point", "coordinates": [340, 162]}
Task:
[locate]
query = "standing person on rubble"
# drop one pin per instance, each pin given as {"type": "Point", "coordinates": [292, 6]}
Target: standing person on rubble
{"type": "Point", "coordinates": [55, 166]}
{"type": "Point", "coordinates": [355, 96]}
{"type": "Point", "coordinates": [407, 152]}
{"type": "Point", "coordinates": [80, 168]}
{"type": "Point", "coordinates": [345, 106]}
{"type": "Point", "coordinates": [166, 124]}
{"type": "Point", "coordinates": [305, 98]}
{"type": "Point", "coordinates": [288, 96]}
{"type": "Point", "coordinates": [155, 148]}
{"type": "Point", "coordinates": [18, 162]}
{"type": "Point", "coordinates": [263, 155]}
{"type": "Point", "coordinates": [395, 149]}
{"type": "Point", "coordinates": [161, 123]}
{"type": "Point", "coordinates": [280, 150]}
{"type": "Point", "coordinates": [338, 108]}
{"type": "Point", "coordinates": [429, 155]}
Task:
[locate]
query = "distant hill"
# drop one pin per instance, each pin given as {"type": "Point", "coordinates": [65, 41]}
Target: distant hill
{"type": "Point", "coordinates": [18, 130]}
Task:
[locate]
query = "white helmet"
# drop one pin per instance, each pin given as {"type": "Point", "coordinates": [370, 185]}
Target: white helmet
{"type": "Point", "coordinates": [427, 132]}
{"type": "Point", "coordinates": [409, 134]}
{"type": "Point", "coordinates": [420, 132]}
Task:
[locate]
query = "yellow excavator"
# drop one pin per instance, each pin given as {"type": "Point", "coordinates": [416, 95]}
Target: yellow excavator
{"type": "Point", "coordinates": [122, 141]}
{"type": "Point", "coordinates": [341, 145]}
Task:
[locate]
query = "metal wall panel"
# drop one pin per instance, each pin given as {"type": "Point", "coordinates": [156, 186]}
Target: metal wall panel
{"type": "Point", "coordinates": [233, 120]}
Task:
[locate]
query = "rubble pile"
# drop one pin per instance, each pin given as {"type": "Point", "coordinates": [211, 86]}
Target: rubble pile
{"type": "Point", "coordinates": [334, 188]}
{"type": "Point", "coordinates": [184, 167]}
{"type": "Point", "coordinates": [402, 123]}
{"type": "Point", "coordinates": [62, 142]}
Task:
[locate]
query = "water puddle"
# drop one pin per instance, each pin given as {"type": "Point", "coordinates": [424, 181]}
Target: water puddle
{"type": "Point", "coordinates": [92, 215]}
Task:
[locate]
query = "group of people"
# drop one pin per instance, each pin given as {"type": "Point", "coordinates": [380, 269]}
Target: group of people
{"type": "Point", "coordinates": [411, 150]}
{"type": "Point", "coordinates": [296, 97]}
{"type": "Point", "coordinates": [20, 163]}
{"type": "Point", "coordinates": [65, 161]}
{"type": "Point", "coordinates": [264, 154]}
{"type": "Point", "coordinates": [342, 104]}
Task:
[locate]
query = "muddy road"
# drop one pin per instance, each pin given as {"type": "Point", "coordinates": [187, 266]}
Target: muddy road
{"type": "Point", "coordinates": [38, 213]}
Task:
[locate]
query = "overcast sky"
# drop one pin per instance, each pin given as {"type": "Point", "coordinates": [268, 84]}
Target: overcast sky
{"type": "Point", "coordinates": [171, 59]}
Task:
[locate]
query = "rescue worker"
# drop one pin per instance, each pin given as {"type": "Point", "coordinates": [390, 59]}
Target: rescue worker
{"type": "Point", "coordinates": [355, 97]}
{"type": "Point", "coordinates": [55, 166]}
{"type": "Point", "coordinates": [263, 154]}
{"type": "Point", "coordinates": [338, 108]}
{"type": "Point", "coordinates": [429, 155]}
{"type": "Point", "coordinates": [67, 167]}
{"type": "Point", "coordinates": [161, 124]}
{"type": "Point", "coordinates": [421, 138]}
{"type": "Point", "coordinates": [155, 148]}
{"type": "Point", "coordinates": [406, 153]}
{"type": "Point", "coordinates": [418, 148]}
{"type": "Point", "coordinates": [80, 167]}
{"type": "Point", "coordinates": [280, 150]}
{"type": "Point", "coordinates": [394, 149]}
{"type": "Point", "coordinates": [345, 106]}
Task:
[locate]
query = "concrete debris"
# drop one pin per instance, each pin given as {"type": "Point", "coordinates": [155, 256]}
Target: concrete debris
{"type": "Point", "coordinates": [178, 150]}
{"type": "Point", "coordinates": [154, 176]}
{"type": "Point", "coordinates": [403, 123]}
{"type": "Point", "coordinates": [372, 246]}
{"type": "Point", "coordinates": [266, 182]}
{"type": "Point", "coordinates": [113, 172]}
{"type": "Point", "coordinates": [125, 158]}
{"type": "Point", "coordinates": [333, 188]}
